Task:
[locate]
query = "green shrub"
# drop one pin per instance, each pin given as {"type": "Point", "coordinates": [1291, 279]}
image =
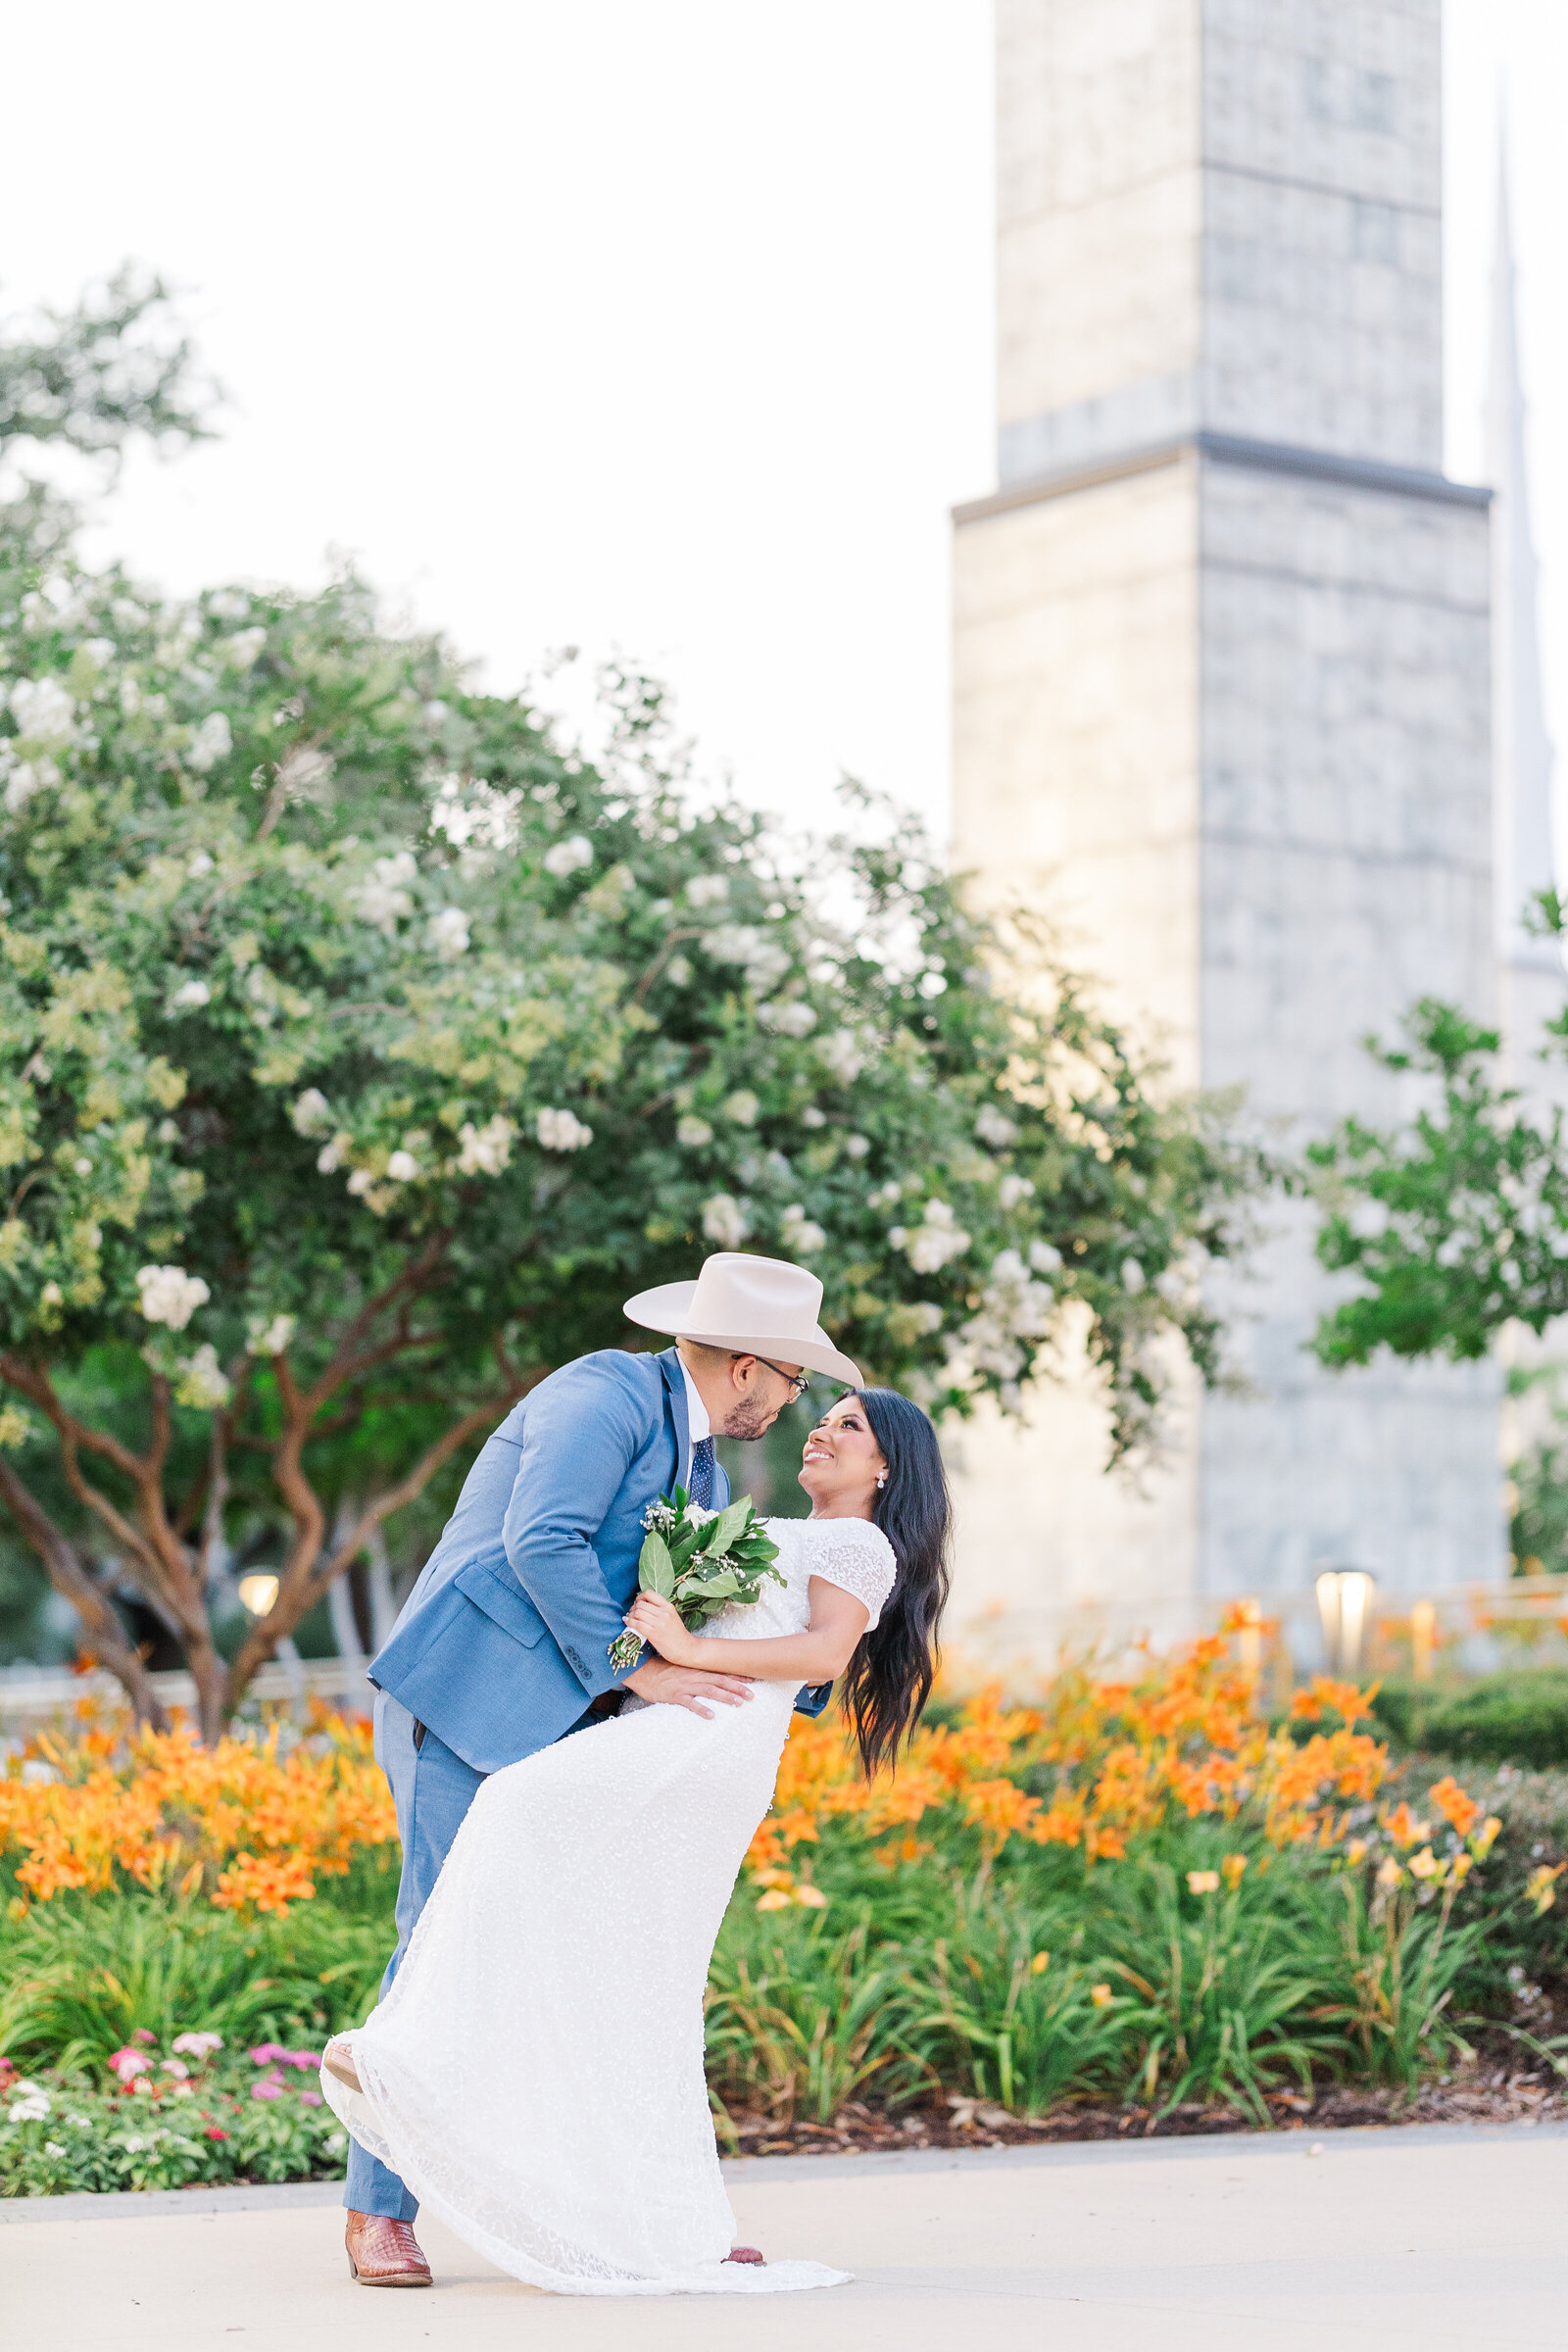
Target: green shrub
{"type": "Point", "coordinates": [1516, 1717]}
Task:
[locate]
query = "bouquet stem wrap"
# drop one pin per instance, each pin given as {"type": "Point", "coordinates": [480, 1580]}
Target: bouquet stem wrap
{"type": "Point", "coordinates": [701, 1560]}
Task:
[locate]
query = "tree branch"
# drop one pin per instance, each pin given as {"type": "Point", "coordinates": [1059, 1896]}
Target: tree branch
{"type": "Point", "coordinates": [105, 1634]}
{"type": "Point", "coordinates": [298, 1593]}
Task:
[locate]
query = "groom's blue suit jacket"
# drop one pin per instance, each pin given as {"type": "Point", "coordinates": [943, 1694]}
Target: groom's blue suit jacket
{"type": "Point", "coordinates": [502, 1644]}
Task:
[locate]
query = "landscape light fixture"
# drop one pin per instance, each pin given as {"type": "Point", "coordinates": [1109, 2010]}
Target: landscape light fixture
{"type": "Point", "coordinates": [258, 1592]}
{"type": "Point", "coordinates": [1345, 1604]}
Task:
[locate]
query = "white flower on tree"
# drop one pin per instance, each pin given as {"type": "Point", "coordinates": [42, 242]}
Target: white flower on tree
{"type": "Point", "coordinates": [403, 1167]}
{"type": "Point", "coordinates": [448, 934]}
{"type": "Point", "coordinates": [994, 1127]}
{"type": "Point", "coordinates": [787, 1016]}
{"type": "Point", "coordinates": [856, 1147]}
{"type": "Point", "coordinates": [937, 1238]}
{"type": "Point", "coordinates": [383, 898]}
{"type": "Point", "coordinates": [44, 710]}
{"type": "Point", "coordinates": [840, 1055]}
{"type": "Point", "coordinates": [171, 1295]}
{"type": "Point", "coordinates": [243, 650]}
{"type": "Point", "coordinates": [312, 1114]}
{"type": "Point", "coordinates": [724, 1220]}
{"type": "Point", "coordinates": [485, 1149]}
{"type": "Point", "coordinates": [331, 1157]}
{"type": "Point", "coordinates": [305, 770]}
{"type": "Point", "coordinates": [570, 857]}
{"type": "Point", "coordinates": [268, 1335]}
{"type": "Point", "coordinates": [798, 1233]}
{"type": "Point", "coordinates": [913, 1320]}
{"type": "Point", "coordinates": [201, 1383]}
{"type": "Point", "coordinates": [693, 1132]}
{"type": "Point", "coordinates": [475, 812]}
{"type": "Point", "coordinates": [1014, 1310]}
{"type": "Point", "coordinates": [1045, 1258]}
{"type": "Point", "coordinates": [190, 995]}
{"type": "Point", "coordinates": [742, 1107]}
{"type": "Point", "coordinates": [562, 1131]}
{"type": "Point", "coordinates": [1013, 1188]}
{"type": "Point", "coordinates": [741, 943]}
{"type": "Point", "coordinates": [212, 741]}
{"type": "Point", "coordinates": [1132, 1276]}
{"type": "Point", "coordinates": [360, 1183]}
{"type": "Point", "coordinates": [24, 777]}
{"type": "Point", "coordinates": [708, 890]}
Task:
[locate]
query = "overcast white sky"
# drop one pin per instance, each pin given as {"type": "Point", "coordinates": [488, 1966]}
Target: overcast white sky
{"type": "Point", "coordinates": [662, 324]}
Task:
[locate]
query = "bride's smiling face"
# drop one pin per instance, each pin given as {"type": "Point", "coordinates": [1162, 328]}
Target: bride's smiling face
{"type": "Point", "coordinates": [840, 1463]}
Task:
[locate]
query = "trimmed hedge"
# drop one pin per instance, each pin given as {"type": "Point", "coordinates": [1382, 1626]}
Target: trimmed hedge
{"type": "Point", "coordinates": [1519, 1716]}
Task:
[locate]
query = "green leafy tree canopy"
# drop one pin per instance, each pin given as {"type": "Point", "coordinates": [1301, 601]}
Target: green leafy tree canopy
{"type": "Point", "coordinates": [364, 1045]}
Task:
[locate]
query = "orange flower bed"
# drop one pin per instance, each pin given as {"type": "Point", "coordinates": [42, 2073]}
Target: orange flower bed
{"type": "Point", "coordinates": [242, 1825]}
{"type": "Point", "coordinates": [238, 1821]}
{"type": "Point", "coordinates": [1182, 1739]}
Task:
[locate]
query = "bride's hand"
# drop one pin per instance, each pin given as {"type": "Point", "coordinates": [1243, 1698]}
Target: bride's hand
{"type": "Point", "coordinates": [661, 1626]}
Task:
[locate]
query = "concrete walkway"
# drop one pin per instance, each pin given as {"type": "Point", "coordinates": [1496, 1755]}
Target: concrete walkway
{"type": "Point", "coordinates": [1420, 2239]}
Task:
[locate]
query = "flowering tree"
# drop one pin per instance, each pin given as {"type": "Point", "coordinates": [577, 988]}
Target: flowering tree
{"type": "Point", "coordinates": [363, 1047]}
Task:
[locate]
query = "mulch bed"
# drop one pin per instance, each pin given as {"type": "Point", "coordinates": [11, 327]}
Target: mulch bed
{"type": "Point", "coordinates": [1486, 2095]}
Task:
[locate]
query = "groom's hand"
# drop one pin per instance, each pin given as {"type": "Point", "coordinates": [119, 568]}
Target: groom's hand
{"type": "Point", "coordinates": [687, 1687]}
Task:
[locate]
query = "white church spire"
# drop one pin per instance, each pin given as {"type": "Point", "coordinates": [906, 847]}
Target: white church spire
{"type": "Point", "coordinates": [1522, 753]}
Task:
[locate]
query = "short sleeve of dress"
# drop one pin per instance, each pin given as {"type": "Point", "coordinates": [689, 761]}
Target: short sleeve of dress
{"type": "Point", "coordinates": [855, 1556]}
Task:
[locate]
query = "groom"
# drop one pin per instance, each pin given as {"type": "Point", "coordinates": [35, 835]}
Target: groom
{"type": "Point", "coordinates": [500, 1647]}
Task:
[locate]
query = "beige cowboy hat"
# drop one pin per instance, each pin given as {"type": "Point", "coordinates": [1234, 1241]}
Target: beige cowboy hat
{"type": "Point", "coordinates": [756, 1306]}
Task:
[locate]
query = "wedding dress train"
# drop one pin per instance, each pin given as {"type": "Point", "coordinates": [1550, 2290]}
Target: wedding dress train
{"type": "Point", "coordinates": [535, 2072]}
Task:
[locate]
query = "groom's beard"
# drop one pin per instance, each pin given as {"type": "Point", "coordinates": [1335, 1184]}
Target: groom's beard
{"type": "Point", "coordinates": [748, 1420]}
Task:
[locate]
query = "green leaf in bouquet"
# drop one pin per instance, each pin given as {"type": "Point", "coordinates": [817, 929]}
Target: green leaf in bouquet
{"type": "Point", "coordinates": [722, 1586]}
{"type": "Point", "coordinates": [728, 1525]}
{"type": "Point", "coordinates": [685, 1542]}
{"type": "Point", "coordinates": [656, 1570]}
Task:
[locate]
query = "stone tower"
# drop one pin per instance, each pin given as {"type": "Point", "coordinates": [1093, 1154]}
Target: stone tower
{"type": "Point", "coordinates": [1223, 708]}
{"type": "Point", "coordinates": [1531, 968]}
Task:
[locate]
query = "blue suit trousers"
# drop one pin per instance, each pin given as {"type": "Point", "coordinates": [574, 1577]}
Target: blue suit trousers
{"type": "Point", "coordinates": [432, 1790]}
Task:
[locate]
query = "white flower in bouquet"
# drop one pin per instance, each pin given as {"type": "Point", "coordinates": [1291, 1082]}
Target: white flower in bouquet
{"type": "Point", "coordinates": [701, 1560]}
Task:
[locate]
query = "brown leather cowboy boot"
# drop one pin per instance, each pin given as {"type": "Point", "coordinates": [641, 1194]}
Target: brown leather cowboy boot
{"type": "Point", "coordinates": [384, 2252]}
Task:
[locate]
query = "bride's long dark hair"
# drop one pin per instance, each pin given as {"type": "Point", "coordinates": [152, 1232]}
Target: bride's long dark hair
{"type": "Point", "coordinates": [889, 1678]}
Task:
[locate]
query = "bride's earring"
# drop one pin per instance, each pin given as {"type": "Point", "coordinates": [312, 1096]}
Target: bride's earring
{"type": "Point", "coordinates": [881, 1478]}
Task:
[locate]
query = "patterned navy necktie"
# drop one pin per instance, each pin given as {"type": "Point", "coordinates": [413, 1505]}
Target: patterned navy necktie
{"type": "Point", "coordinates": [701, 1490]}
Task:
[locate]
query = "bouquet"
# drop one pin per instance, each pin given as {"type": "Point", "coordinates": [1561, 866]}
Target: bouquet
{"type": "Point", "coordinates": [700, 1560]}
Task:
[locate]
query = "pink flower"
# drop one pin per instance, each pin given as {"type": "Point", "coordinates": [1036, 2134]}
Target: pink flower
{"type": "Point", "coordinates": [127, 2063]}
{"type": "Point", "coordinates": [309, 2099]}
{"type": "Point", "coordinates": [266, 2090]}
{"type": "Point", "coordinates": [145, 2039]}
{"type": "Point", "coordinates": [265, 2051]}
{"type": "Point", "coordinates": [178, 2068]}
{"type": "Point", "coordinates": [142, 2082]}
{"type": "Point", "coordinates": [308, 2061]}
{"type": "Point", "coordinates": [196, 2045]}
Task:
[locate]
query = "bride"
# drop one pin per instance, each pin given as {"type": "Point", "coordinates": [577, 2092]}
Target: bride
{"type": "Point", "coordinates": [535, 2070]}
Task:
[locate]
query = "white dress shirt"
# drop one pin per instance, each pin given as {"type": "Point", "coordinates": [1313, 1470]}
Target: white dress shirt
{"type": "Point", "coordinates": [696, 1422]}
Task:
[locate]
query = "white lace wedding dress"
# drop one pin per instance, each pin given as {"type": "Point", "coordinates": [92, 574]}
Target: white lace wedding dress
{"type": "Point", "coordinates": [535, 2073]}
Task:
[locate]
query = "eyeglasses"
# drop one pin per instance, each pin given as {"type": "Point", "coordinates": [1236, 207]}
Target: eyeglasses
{"type": "Point", "coordinates": [799, 1382]}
